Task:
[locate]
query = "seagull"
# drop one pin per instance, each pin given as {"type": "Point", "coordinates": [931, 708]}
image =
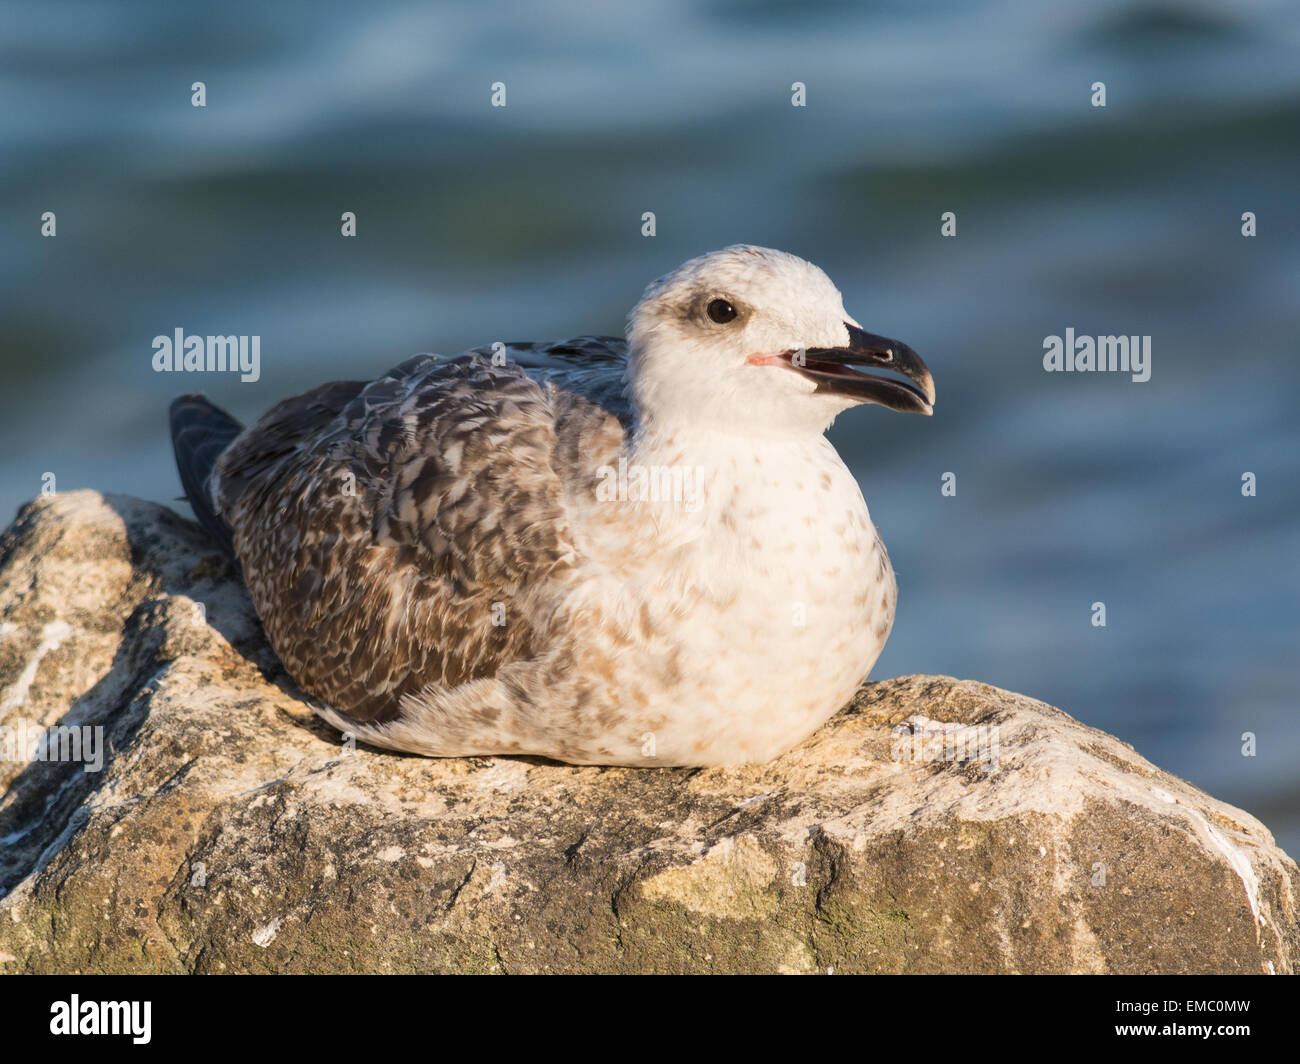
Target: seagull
{"type": "Point", "coordinates": [637, 552]}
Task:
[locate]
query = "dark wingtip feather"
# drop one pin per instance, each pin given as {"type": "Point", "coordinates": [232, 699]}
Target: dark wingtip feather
{"type": "Point", "coordinates": [200, 432]}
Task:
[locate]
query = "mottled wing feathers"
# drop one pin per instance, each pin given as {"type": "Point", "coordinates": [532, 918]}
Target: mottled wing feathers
{"type": "Point", "coordinates": [404, 535]}
{"type": "Point", "coordinates": [592, 367]}
{"type": "Point", "coordinates": [461, 455]}
{"type": "Point", "coordinates": [256, 458]}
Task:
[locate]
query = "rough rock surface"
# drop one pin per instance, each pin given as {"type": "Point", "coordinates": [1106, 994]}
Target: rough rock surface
{"type": "Point", "coordinates": [229, 830]}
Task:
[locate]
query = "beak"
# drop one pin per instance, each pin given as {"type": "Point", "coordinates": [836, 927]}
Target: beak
{"type": "Point", "coordinates": [831, 368]}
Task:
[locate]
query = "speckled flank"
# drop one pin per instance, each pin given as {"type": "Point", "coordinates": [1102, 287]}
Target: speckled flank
{"type": "Point", "coordinates": [433, 556]}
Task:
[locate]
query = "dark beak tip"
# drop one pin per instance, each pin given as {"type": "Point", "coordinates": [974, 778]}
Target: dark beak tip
{"type": "Point", "coordinates": [880, 352]}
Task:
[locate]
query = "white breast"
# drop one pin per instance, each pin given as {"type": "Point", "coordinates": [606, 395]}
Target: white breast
{"type": "Point", "coordinates": [771, 602]}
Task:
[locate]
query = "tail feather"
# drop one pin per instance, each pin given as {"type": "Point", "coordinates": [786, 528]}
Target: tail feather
{"type": "Point", "coordinates": [200, 432]}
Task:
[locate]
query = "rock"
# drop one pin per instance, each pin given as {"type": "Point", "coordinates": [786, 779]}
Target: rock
{"type": "Point", "coordinates": [229, 830]}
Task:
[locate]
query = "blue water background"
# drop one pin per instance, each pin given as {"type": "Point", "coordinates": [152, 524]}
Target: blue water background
{"type": "Point", "coordinates": [477, 224]}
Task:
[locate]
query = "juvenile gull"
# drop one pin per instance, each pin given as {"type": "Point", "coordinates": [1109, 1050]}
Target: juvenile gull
{"type": "Point", "coordinates": [598, 551]}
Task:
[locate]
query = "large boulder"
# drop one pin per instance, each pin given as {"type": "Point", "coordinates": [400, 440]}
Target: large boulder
{"type": "Point", "coordinates": [934, 825]}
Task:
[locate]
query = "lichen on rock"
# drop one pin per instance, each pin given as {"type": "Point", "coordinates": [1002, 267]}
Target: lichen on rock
{"type": "Point", "coordinates": [228, 829]}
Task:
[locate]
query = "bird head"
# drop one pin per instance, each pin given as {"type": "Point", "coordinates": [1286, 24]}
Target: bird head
{"type": "Point", "coordinates": [748, 339]}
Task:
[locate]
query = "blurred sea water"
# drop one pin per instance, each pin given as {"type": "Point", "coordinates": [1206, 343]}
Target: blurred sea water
{"type": "Point", "coordinates": [478, 223]}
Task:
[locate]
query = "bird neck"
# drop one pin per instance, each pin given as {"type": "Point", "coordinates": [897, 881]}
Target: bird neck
{"type": "Point", "coordinates": [727, 466]}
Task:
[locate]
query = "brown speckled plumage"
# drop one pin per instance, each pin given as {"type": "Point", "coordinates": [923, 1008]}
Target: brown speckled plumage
{"type": "Point", "coordinates": [455, 558]}
{"type": "Point", "coordinates": [378, 524]}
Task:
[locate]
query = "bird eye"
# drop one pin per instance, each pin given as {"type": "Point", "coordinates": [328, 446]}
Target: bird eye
{"type": "Point", "coordinates": [721, 311]}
